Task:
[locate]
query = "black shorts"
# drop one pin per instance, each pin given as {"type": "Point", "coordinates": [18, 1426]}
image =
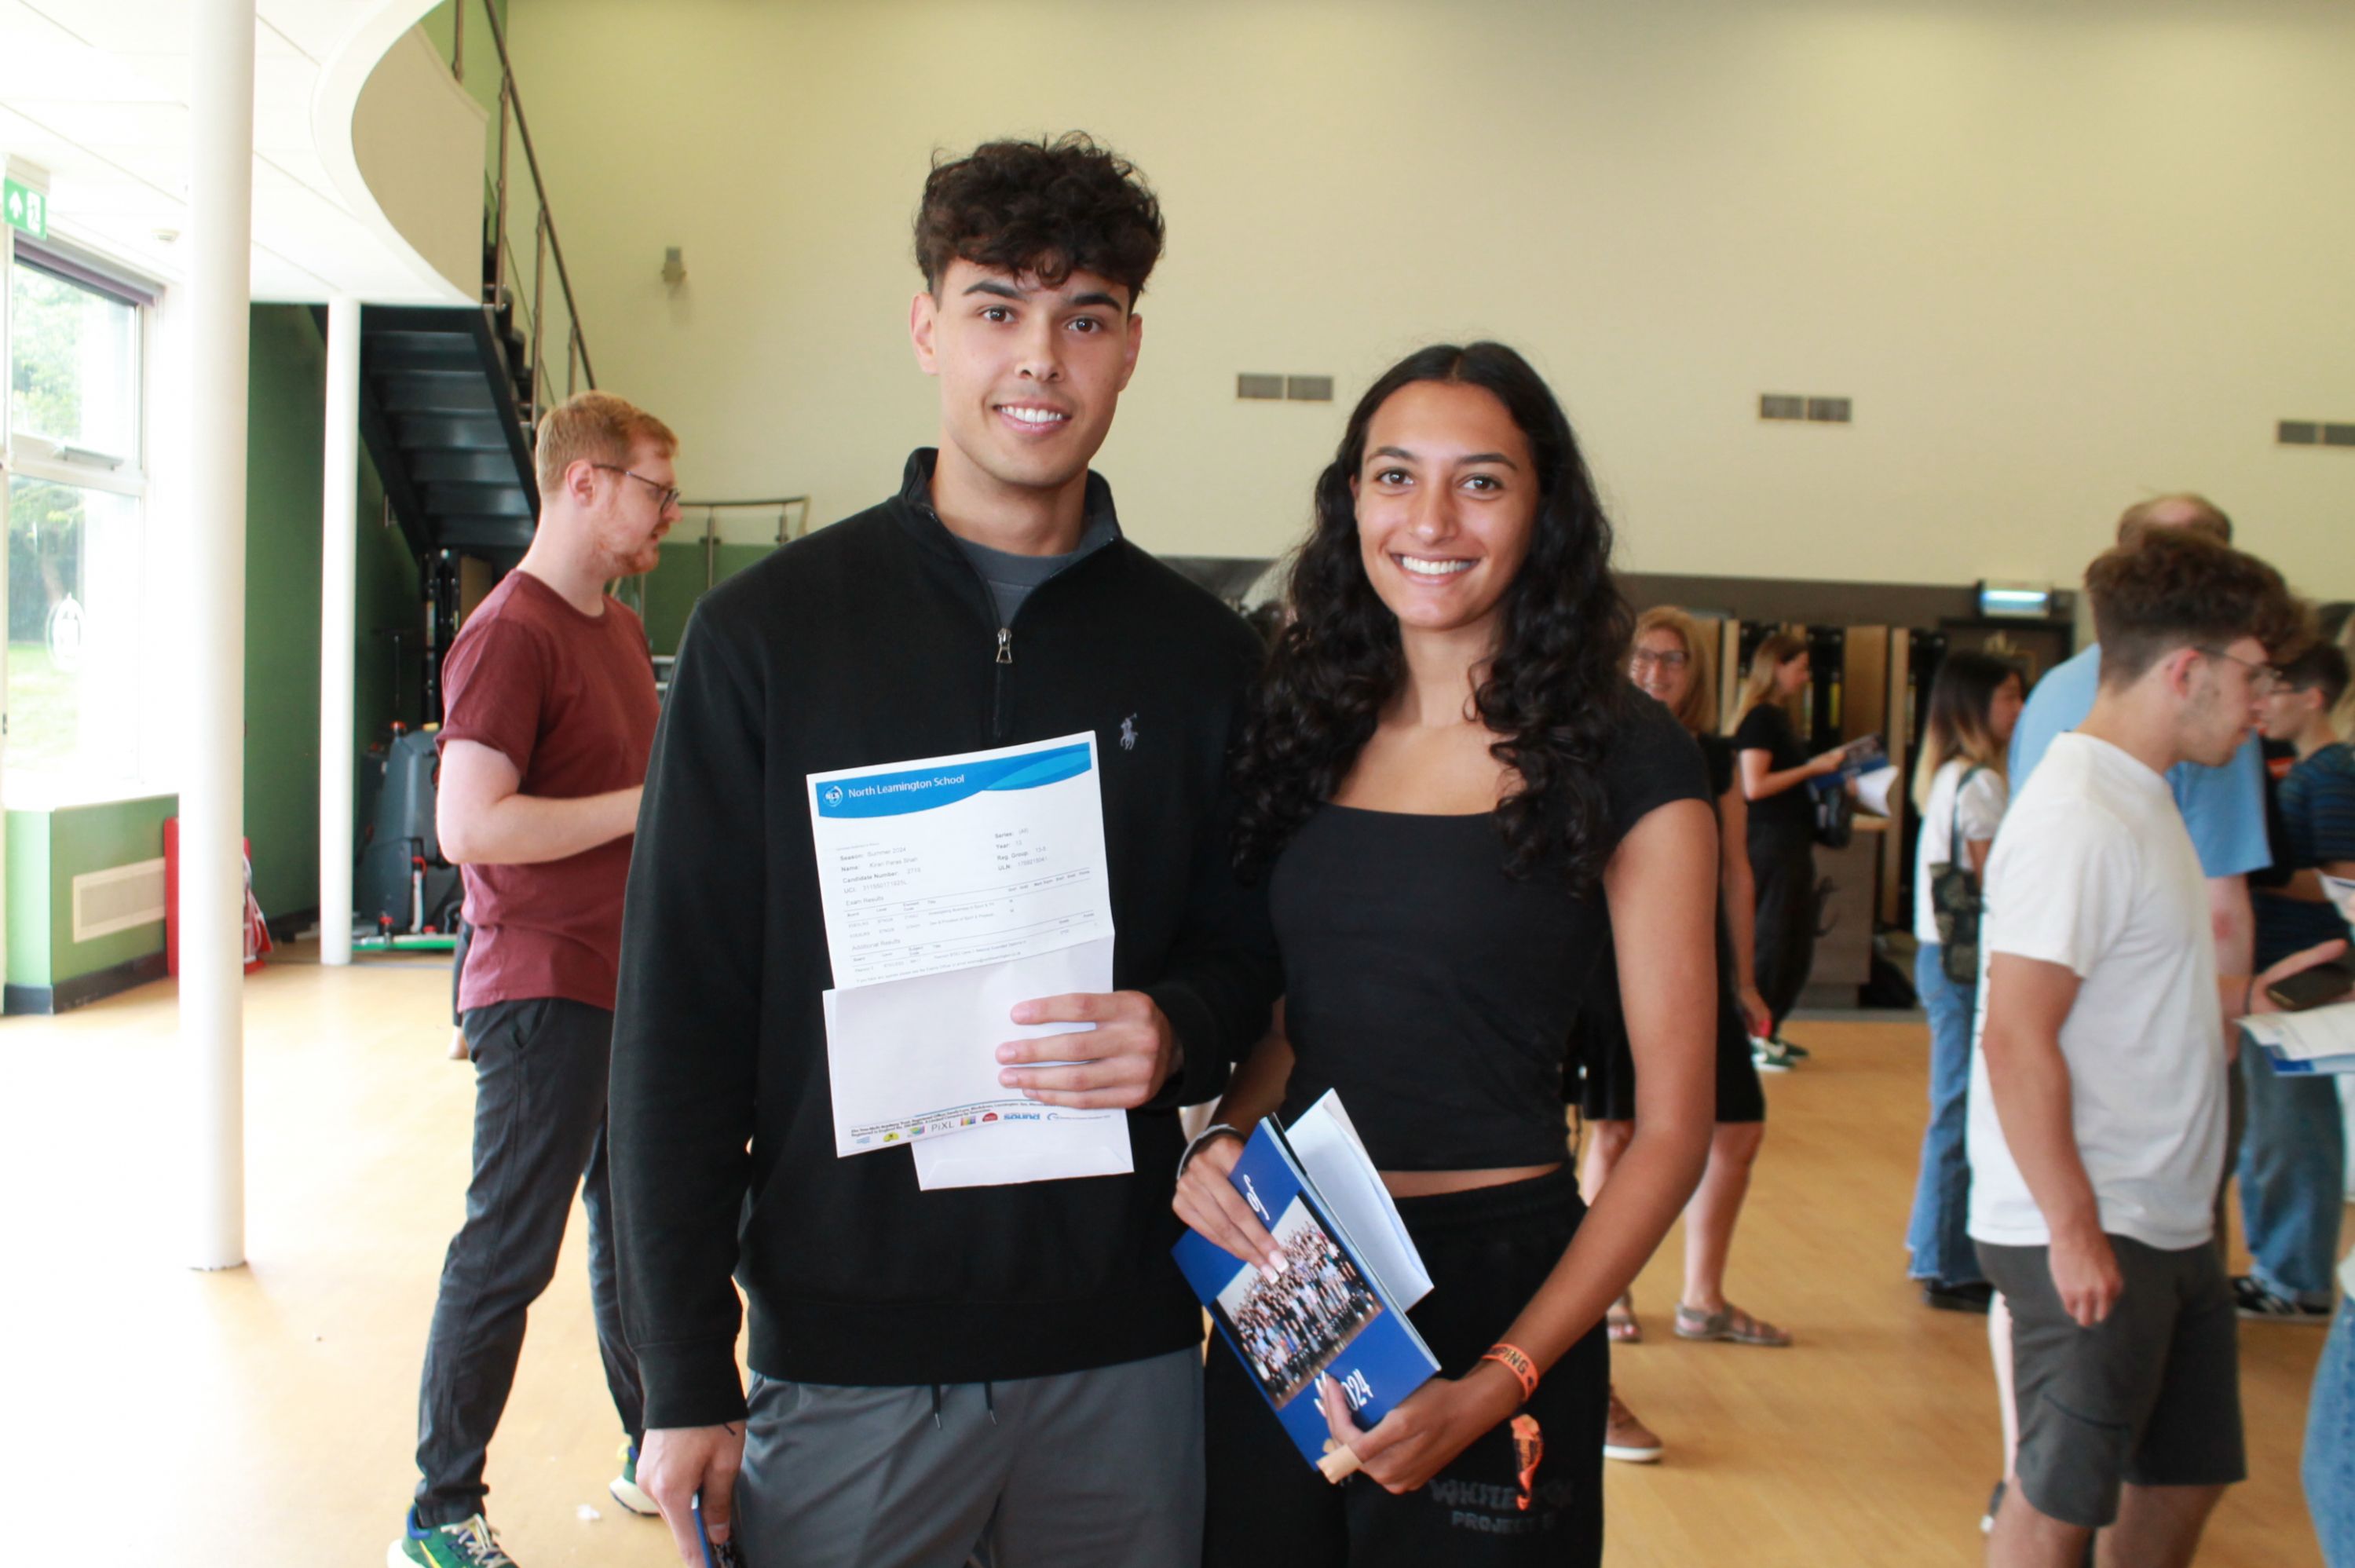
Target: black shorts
{"type": "Point", "coordinates": [1489, 1251]}
{"type": "Point", "coordinates": [2150, 1396]}
{"type": "Point", "coordinates": [1598, 1041]}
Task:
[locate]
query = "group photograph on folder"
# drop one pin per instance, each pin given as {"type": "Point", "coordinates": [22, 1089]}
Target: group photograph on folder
{"type": "Point", "coordinates": [1328, 1313]}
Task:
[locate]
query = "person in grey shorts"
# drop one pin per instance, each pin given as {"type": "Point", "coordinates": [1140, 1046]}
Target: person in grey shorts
{"type": "Point", "coordinates": [2097, 1101]}
{"type": "Point", "coordinates": [1008, 1373]}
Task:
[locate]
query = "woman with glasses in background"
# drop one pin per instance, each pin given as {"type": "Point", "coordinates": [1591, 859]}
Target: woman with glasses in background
{"type": "Point", "coordinates": [1669, 661]}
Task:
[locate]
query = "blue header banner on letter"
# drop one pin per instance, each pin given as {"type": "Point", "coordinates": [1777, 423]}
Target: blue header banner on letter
{"type": "Point", "coordinates": [923, 789]}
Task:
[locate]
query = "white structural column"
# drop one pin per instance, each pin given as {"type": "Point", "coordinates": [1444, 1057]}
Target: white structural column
{"type": "Point", "coordinates": [212, 868]}
{"type": "Point", "coordinates": [339, 652]}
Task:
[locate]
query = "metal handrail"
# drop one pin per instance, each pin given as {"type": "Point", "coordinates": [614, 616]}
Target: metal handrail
{"type": "Point", "coordinates": [789, 528]}
{"type": "Point", "coordinates": [505, 263]}
{"type": "Point", "coordinates": [540, 187]}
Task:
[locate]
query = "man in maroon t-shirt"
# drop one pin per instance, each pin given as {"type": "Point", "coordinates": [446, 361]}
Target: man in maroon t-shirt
{"type": "Point", "coordinates": [551, 716]}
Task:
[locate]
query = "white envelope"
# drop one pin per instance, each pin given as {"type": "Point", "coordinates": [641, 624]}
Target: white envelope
{"type": "Point", "coordinates": [1067, 1144]}
{"type": "Point", "coordinates": [917, 1058]}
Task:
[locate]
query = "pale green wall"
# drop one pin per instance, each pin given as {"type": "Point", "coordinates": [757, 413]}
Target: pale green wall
{"type": "Point", "coordinates": [2062, 256]}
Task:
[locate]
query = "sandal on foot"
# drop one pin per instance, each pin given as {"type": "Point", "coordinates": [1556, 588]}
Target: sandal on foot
{"type": "Point", "coordinates": [1729, 1324]}
{"type": "Point", "coordinates": [1620, 1322]}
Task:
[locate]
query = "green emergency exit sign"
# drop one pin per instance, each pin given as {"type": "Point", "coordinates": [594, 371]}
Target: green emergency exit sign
{"type": "Point", "coordinates": [27, 209]}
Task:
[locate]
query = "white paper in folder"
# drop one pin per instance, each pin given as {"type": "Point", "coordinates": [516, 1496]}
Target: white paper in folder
{"type": "Point", "coordinates": [1326, 1145]}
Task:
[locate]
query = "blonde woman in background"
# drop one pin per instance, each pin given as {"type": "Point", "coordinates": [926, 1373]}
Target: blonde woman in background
{"type": "Point", "coordinates": [1960, 789]}
{"type": "Point", "coordinates": [1774, 771]}
{"type": "Point", "coordinates": [1669, 661]}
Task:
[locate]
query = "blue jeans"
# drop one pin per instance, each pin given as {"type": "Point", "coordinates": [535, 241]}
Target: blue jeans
{"type": "Point", "coordinates": [2293, 1174]}
{"type": "Point", "coordinates": [1940, 1234]}
{"type": "Point", "coordinates": [2331, 1443]}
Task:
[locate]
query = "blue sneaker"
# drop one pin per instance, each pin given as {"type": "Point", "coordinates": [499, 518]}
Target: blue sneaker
{"type": "Point", "coordinates": [470, 1544]}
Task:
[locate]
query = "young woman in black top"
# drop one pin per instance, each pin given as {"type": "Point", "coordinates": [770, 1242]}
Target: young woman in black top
{"type": "Point", "coordinates": [1447, 781]}
{"type": "Point", "coordinates": [1670, 663]}
{"type": "Point", "coordinates": [1775, 773]}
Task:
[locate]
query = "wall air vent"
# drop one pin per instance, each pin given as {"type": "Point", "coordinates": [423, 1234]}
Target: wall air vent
{"type": "Point", "coordinates": [117, 899]}
{"type": "Point", "coordinates": [1781, 406]}
{"type": "Point", "coordinates": [2338, 436]}
{"type": "Point", "coordinates": [1308, 388]}
{"type": "Point", "coordinates": [1262, 386]}
{"type": "Point", "coordinates": [2297, 433]}
{"type": "Point", "coordinates": [1829, 410]}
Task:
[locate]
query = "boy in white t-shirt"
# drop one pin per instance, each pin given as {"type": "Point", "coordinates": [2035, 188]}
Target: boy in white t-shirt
{"type": "Point", "coordinates": [2097, 1101]}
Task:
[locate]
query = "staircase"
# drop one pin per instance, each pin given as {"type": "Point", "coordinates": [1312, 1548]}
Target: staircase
{"type": "Point", "coordinates": [444, 411]}
{"type": "Point", "coordinates": [449, 395]}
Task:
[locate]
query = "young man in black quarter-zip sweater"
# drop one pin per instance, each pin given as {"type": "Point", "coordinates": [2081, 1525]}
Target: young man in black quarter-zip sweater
{"type": "Point", "coordinates": [1008, 1371]}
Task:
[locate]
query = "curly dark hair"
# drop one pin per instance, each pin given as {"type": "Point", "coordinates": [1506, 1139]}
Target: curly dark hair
{"type": "Point", "coordinates": [2176, 588]}
{"type": "Point", "coordinates": [1052, 206]}
{"type": "Point", "coordinates": [1554, 693]}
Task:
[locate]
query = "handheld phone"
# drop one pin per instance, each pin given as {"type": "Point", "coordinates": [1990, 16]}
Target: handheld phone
{"type": "Point", "coordinates": [720, 1555]}
{"type": "Point", "coordinates": [2312, 988]}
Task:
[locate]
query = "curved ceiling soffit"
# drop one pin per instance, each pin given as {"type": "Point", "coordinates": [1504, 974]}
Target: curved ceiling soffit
{"type": "Point", "coordinates": [343, 76]}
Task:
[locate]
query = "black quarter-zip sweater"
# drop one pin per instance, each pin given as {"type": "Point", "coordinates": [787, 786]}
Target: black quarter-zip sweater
{"type": "Point", "coordinates": [872, 642]}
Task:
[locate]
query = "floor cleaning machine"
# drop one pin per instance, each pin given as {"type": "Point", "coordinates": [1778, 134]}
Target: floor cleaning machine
{"type": "Point", "coordinates": [407, 895]}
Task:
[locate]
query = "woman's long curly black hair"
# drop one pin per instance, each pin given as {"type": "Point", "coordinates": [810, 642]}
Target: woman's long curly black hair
{"type": "Point", "coordinates": [1553, 693]}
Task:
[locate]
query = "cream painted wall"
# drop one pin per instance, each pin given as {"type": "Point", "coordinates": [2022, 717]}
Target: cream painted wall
{"type": "Point", "coordinates": [2062, 256]}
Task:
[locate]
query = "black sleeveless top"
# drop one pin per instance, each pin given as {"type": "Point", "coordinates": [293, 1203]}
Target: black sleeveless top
{"type": "Point", "coordinates": [1432, 989]}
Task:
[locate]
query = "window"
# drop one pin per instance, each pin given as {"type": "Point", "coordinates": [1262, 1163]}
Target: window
{"type": "Point", "coordinates": [76, 493]}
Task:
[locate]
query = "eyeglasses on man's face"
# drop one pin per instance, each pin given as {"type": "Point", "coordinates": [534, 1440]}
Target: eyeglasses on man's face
{"type": "Point", "coordinates": [666, 495]}
{"type": "Point", "coordinates": [2264, 679]}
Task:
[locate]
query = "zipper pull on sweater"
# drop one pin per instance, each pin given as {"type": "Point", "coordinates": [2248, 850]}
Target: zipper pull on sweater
{"type": "Point", "coordinates": [1004, 645]}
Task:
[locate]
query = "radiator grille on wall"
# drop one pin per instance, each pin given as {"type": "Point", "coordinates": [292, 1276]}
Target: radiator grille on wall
{"type": "Point", "coordinates": [117, 899]}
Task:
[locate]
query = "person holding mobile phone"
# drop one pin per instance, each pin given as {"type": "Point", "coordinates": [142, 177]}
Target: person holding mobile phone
{"type": "Point", "coordinates": [2097, 1096]}
{"type": "Point", "coordinates": [2293, 1153]}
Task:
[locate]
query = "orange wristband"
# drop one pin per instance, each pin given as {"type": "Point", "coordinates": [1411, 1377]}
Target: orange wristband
{"type": "Point", "coordinates": [1515, 1360]}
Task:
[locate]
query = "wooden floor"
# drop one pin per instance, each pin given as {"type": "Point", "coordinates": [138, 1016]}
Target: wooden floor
{"type": "Point", "coordinates": [266, 1415]}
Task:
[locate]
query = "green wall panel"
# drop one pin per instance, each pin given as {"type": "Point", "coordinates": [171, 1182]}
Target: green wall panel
{"type": "Point", "coordinates": [28, 897]}
{"type": "Point", "coordinates": [85, 839]}
{"type": "Point", "coordinates": [285, 445]}
{"type": "Point", "coordinates": [285, 457]}
{"type": "Point", "coordinates": [677, 582]}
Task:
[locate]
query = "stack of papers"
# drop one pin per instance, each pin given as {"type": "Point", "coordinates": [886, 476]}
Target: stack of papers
{"type": "Point", "coordinates": [2320, 1040]}
{"type": "Point", "coordinates": [954, 887]}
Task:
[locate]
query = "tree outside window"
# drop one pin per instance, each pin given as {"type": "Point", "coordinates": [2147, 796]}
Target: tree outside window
{"type": "Point", "coordinates": [74, 508]}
